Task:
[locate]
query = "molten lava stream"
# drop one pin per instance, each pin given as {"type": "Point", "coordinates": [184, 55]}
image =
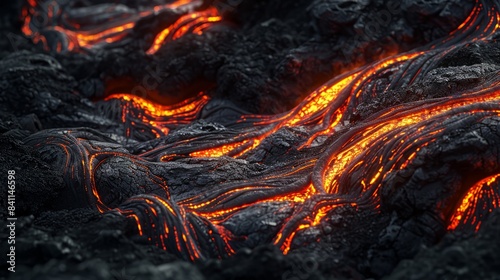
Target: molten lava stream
{"type": "Point", "coordinates": [355, 166]}
{"type": "Point", "coordinates": [332, 104]}
{"type": "Point", "coordinates": [161, 118]}
{"type": "Point", "coordinates": [87, 29]}
{"type": "Point", "coordinates": [321, 111]}
{"type": "Point", "coordinates": [479, 200]}
{"type": "Point", "coordinates": [224, 202]}
{"type": "Point", "coordinates": [350, 171]}
{"type": "Point", "coordinates": [194, 22]}
{"type": "Point", "coordinates": [353, 144]}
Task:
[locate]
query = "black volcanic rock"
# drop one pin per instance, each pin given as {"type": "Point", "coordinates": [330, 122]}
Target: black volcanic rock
{"type": "Point", "coordinates": [457, 257]}
{"type": "Point", "coordinates": [277, 57]}
{"type": "Point", "coordinates": [63, 138]}
{"type": "Point", "coordinates": [35, 178]}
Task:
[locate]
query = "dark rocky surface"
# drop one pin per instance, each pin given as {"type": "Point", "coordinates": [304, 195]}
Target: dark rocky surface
{"type": "Point", "coordinates": [273, 53]}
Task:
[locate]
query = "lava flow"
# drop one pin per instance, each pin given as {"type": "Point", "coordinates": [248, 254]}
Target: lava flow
{"type": "Point", "coordinates": [331, 160]}
{"type": "Point", "coordinates": [59, 26]}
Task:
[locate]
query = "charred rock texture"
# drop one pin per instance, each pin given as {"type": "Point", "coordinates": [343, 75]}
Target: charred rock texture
{"type": "Point", "coordinates": [252, 139]}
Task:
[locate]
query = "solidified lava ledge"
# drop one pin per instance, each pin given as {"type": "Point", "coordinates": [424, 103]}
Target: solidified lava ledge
{"type": "Point", "coordinates": [250, 139]}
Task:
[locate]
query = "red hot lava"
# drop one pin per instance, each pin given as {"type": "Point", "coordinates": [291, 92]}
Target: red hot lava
{"type": "Point", "coordinates": [352, 169]}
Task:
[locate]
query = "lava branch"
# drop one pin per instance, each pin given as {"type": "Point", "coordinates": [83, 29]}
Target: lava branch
{"type": "Point", "coordinates": [481, 198]}
{"type": "Point", "coordinates": [327, 109]}
{"type": "Point", "coordinates": [87, 29]}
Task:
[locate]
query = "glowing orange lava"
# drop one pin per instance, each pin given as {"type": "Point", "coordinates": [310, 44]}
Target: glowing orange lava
{"type": "Point", "coordinates": [347, 171]}
{"type": "Point", "coordinates": [482, 190]}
